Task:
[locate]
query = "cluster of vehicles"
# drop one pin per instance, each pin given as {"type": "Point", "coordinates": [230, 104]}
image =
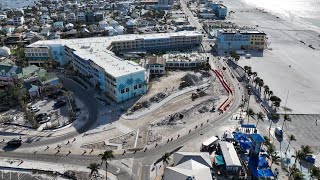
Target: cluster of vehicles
{"type": "Point", "coordinates": [44, 117]}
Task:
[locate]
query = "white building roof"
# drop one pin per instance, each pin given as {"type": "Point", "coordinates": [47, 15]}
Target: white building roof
{"type": "Point", "coordinates": [201, 157]}
{"type": "Point", "coordinates": [189, 170]}
{"type": "Point", "coordinates": [229, 154]}
{"type": "Point", "coordinates": [97, 50]}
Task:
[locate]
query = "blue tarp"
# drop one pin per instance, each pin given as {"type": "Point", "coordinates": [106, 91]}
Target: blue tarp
{"type": "Point", "coordinates": [245, 145]}
{"type": "Point", "coordinates": [257, 138]}
{"type": "Point", "coordinates": [259, 167]}
{"type": "Point", "coordinates": [240, 137]}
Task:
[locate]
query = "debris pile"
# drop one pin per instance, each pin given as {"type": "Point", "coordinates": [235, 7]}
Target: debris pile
{"type": "Point", "coordinates": [153, 137]}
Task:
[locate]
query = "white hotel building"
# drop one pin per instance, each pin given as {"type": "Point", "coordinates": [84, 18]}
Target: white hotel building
{"type": "Point", "coordinates": [95, 59]}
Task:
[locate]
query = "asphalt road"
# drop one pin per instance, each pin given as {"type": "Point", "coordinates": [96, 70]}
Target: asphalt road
{"type": "Point", "coordinates": [193, 21]}
{"type": "Point", "coordinates": [91, 104]}
{"type": "Point", "coordinates": [144, 160]}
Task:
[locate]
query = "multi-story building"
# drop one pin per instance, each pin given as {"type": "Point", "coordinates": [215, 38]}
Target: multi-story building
{"type": "Point", "coordinates": [90, 17]}
{"type": "Point", "coordinates": [71, 17]}
{"type": "Point", "coordinates": [99, 16]}
{"type": "Point", "coordinates": [229, 40]}
{"type": "Point", "coordinates": [81, 16]}
{"type": "Point", "coordinates": [219, 10]}
{"type": "Point", "coordinates": [95, 60]}
{"type": "Point", "coordinates": [131, 26]}
{"type": "Point", "coordinates": [18, 20]}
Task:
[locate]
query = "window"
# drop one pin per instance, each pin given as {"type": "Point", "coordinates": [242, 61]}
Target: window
{"type": "Point", "coordinates": [122, 91]}
{"type": "Point", "coordinates": [135, 87]}
{"type": "Point", "coordinates": [140, 85]}
{"type": "Point", "coordinates": [127, 89]}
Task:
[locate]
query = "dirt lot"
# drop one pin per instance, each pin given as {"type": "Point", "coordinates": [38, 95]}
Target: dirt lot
{"type": "Point", "coordinates": [214, 95]}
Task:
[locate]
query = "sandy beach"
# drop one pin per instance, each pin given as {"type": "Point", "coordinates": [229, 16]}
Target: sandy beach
{"type": "Point", "coordinates": [302, 79]}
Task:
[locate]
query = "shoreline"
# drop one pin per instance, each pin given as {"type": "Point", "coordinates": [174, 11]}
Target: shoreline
{"type": "Point", "coordinates": [301, 22]}
{"type": "Point", "coordinates": [289, 64]}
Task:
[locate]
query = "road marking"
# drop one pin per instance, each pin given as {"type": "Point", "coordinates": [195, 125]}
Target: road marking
{"type": "Point", "coordinates": [118, 169]}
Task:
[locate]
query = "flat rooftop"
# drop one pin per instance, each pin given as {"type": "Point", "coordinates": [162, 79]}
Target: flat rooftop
{"type": "Point", "coordinates": [237, 31]}
{"type": "Point", "coordinates": [97, 50]}
{"type": "Point", "coordinates": [108, 40]}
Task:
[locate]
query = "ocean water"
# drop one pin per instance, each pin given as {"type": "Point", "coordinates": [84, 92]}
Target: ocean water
{"type": "Point", "coordinates": [16, 3]}
{"type": "Point", "coordinates": [303, 11]}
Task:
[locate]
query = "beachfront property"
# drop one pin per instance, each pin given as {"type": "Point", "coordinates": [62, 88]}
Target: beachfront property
{"type": "Point", "coordinates": [177, 60]}
{"type": "Point", "coordinates": [218, 9]}
{"type": "Point", "coordinates": [96, 61]}
{"type": "Point", "coordinates": [232, 40]}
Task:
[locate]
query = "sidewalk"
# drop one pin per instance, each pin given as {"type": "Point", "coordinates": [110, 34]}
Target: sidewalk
{"type": "Point", "coordinates": [27, 165]}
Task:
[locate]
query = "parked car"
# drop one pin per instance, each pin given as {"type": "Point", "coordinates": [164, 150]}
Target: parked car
{"type": "Point", "coordinates": [42, 117]}
{"type": "Point", "coordinates": [278, 131]}
{"type": "Point", "coordinates": [34, 109]}
{"type": "Point", "coordinates": [59, 104]}
{"type": "Point", "coordinates": [14, 142]}
{"type": "Point", "coordinates": [310, 158]}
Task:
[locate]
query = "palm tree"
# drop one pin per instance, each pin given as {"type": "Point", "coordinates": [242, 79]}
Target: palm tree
{"type": "Point", "coordinates": [68, 94]}
{"type": "Point", "coordinates": [298, 156]}
{"type": "Point", "coordinates": [246, 68]}
{"type": "Point", "coordinates": [251, 112]}
{"type": "Point", "coordinates": [256, 80]}
{"type": "Point", "coordinates": [295, 173]}
{"type": "Point", "coordinates": [315, 172]}
{"type": "Point", "coordinates": [291, 138]}
{"type": "Point", "coordinates": [165, 158]}
{"type": "Point", "coordinates": [275, 158]}
{"type": "Point", "coordinates": [94, 167]}
{"type": "Point", "coordinates": [292, 170]}
{"type": "Point", "coordinates": [260, 84]}
{"type": "Point", "coordinates": [105, 156]}
{"type": "Point", "coordinates": [270, 93]}
{"type": "Point", "coordinates": [272, 154]}
{"type": "Point", "coordinates": [266, 89]}
{"type": "Point", "coordinates": [286, 117]}
{"type": "Point", "coordinates": [298, 176]}
{"type": "Point", "coordinates": [260, 116]}
{"type": "Point", "coordinates": [306, 150]}
{"type": "Point", "coordinates": [267, 141]}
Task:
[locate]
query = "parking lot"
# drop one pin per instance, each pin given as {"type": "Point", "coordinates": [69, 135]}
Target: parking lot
{"type": "Point", "coordinates": [58, 116]}
{"type": "Point", "coordinates": [5, 175]}
{"type": "Point", "coordinates": [52, 116]}
{"type": "Point", "coordinates": [306, 130]}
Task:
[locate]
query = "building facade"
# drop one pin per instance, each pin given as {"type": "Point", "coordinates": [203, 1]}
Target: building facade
{"type": "Point", "coordinates": [220, 10]}
{"type": "Point", "coordinates": [232, 40]}
{"type": "Point", "coordinates": [95, 60]}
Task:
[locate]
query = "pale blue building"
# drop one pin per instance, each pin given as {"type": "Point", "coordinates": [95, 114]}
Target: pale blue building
{"type": "Point", "coordinates": [220, 10]}
{"type": "Point", "coordinates": [94, 59]}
